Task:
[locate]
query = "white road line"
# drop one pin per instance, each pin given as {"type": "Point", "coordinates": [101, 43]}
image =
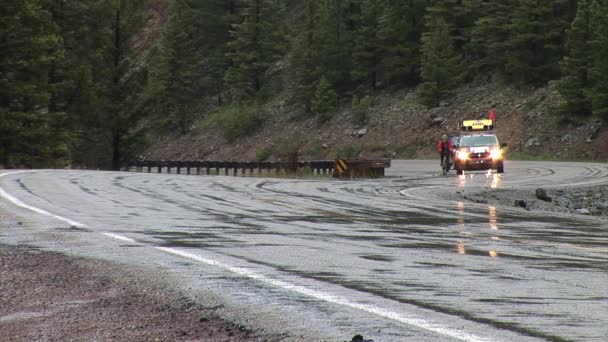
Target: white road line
{"type": "Point", "coordinates": [396, 316]}
{"type": "Point", "coordinates": [119, 237]}
{"type": "Point", "coordinates": [19, 203]}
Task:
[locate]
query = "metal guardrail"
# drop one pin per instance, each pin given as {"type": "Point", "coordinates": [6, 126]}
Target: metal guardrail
{"type": "Point", "coordinates": [229, 167]}
{"type": "Point", "coordinates": [361, 168]}
{"type": "Point", "coordinates": [355, 168]}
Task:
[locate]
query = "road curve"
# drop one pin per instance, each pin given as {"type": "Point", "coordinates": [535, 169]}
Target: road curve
{"type": "Point", "coordinates": [392, 259]}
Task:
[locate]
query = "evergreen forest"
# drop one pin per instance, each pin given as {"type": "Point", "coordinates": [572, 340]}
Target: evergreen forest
{"type": "Point", "coordinates": [81, 84]}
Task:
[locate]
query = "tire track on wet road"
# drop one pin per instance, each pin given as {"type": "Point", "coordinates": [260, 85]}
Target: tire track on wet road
{"type": "Point", "coordinates": [372, 244]}
{"type": "Point", "coordinates": [320, 295]}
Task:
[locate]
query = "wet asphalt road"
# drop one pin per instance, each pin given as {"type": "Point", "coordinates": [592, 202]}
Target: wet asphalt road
{"type": "Point", "coordinates": [391, 259]}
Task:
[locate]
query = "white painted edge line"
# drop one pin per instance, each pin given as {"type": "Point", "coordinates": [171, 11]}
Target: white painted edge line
{"type": "Point", "coordinates": [119, 237]}
{"type": "Point", "coordinates": [416, 322]}
{"type": "Point", "coordinates": [19, 203]}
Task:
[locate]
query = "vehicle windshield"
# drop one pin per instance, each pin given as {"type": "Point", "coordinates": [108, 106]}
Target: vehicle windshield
{"type": "Point", "coordinates": [478, 141]}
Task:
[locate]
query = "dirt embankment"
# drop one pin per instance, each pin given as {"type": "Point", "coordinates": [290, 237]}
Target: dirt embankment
{"type": "Point", "coordinates": [51, 297]}
{"type": "Point", "coordinates": [399, 127]}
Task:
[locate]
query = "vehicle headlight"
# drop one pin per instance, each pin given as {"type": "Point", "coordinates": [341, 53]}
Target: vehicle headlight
{"type": "Point", "coordinates": [496, 154]}
{"type": "Point", "coordinates": [462, 155]}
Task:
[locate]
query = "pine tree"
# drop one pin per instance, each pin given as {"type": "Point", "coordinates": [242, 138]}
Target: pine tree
{"type": "Point", "coordinates": [78, 76]}
{"type": "Point", "coordinates": [181, 67]}
{"type": "Point", "coordinates": [120, 114]}
{"type": "Point", "coordinates": [187, 67]}
{"type": "Point", "coordinates": [441, 66]}
{"type": "Point", "coordinates": [488, 36]}
{"type": "Point", "coordinates": [214, 19]}
{"type": "Point", "coordinates": [575, 84]}
{"type": "Point", "coordinates": [400, 29]}
{"type": "Point", "coordinates": [31, 134]}
{"type": "Point", "coordinates": [366, 53]}
{"type": "Point", "coordinates": [599, 50]}
{"type": "Point", "coordinates": [303, 72]}
{"type": "Point", "coordinates": [535, 45]}
{"type": "Point", "coordinates": [257, 43]}
{"type": "Point", "coordinates": [333, 44]}
{"type": "Point", "coordinates": [325, 100]}
{"type": "Point", "coordinates": [460, 16]}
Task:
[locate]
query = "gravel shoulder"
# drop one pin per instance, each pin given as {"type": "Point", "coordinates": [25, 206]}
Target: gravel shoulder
{"type": "Point", "coordinates": [582, 201]}
{"type": "Point", "coordinates": [48, 296]}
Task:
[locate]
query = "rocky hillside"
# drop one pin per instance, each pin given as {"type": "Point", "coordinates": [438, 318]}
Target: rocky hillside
{"type": "Point", "coordinates": [399, 127]}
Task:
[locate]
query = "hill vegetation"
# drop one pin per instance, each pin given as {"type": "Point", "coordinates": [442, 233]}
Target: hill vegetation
{"type": "Point", "coordinates": [90, 82]}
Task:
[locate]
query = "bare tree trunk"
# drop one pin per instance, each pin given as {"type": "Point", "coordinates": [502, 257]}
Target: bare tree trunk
{"type": "Point", "coordinates": [116, 133]}
{"type": "Point", "coordinates": [116, 155]}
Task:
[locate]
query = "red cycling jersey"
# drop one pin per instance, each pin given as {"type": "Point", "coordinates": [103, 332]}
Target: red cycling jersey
{"type": "Point", "coordinates": [443, 145]}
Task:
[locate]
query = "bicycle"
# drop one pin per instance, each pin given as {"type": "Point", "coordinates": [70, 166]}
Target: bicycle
{"type": "Point", "coordinates": [446, 162]}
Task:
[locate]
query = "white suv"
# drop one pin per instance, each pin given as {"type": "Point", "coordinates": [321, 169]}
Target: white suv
{"type": "Point", "coordinates": [479, 151]}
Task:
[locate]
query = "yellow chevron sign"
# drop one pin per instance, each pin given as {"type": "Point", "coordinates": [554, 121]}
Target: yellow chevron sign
{"type": "Point", "coordinates": [341, 166]}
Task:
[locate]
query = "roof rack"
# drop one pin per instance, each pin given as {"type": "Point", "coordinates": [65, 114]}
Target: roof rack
{"type": "Point", "coordinates": [477, 125]}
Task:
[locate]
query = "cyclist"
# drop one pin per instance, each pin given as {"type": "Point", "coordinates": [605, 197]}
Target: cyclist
{"type": "Point", "coordinates": [445, 149]}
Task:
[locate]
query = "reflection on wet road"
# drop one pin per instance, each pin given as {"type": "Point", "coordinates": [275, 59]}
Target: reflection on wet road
{"type": "Point", "coordinates": [393, 247]}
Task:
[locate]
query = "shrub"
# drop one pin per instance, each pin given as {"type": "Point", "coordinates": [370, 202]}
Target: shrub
{"type": "Point", "coordinates": [239, 121]}
{"type": "Point", "coordinates": [288, 150]}
{"type": "Point", "coordinates": [263, 154]}
{"type": "Point", "coordinates": [325, 100]}
{"type": "Point", "coordinates": [360, 107]}
{"type": "Point", "coordinates": [349, 152]}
